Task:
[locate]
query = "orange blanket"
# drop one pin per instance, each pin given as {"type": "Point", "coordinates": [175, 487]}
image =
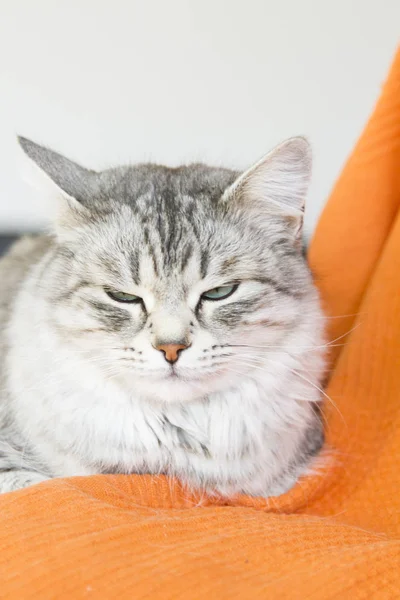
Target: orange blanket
{"type": "Point", "coordinates": [335, 535]}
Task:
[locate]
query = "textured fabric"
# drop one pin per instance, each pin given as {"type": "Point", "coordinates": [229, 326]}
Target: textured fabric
{"type": "Point", "coordinates": [337, 533]}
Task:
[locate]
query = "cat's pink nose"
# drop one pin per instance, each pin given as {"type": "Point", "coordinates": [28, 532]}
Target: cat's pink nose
{"type": "Point", "coordinates": [171, 351]}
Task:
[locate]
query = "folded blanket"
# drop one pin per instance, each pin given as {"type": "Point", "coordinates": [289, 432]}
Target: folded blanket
{"type": "Point", "coordinates": [337, 533]}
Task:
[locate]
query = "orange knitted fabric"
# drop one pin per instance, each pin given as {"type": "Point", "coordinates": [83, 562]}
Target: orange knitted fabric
{"type": "Point", "coordinates": [336, 534]}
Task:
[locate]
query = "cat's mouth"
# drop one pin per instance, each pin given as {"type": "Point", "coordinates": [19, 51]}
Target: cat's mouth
{"type": "Point", "coordinates": [172, 374]}
{"type": "Point", "coordinates": [182, 375]}
{"type": "Point", "coordinates": [187, 375]}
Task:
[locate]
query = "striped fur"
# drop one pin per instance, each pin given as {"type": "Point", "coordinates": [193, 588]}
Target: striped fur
{"type": "Point", "coordinates": [84, 388]}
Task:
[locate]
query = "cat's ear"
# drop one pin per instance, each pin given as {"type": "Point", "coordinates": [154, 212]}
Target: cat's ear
{"type": "Point", "coordinates": [276, 186]}
{"type": "Point", "coordinates": [65, 183]}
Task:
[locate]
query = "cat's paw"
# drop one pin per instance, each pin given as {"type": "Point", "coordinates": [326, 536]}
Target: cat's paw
{"type": "Point", "coordinates": [16, 480]}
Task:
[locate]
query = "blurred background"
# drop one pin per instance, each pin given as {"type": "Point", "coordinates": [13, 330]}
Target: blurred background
{"type": "Point", "coordinates": [175, 81]}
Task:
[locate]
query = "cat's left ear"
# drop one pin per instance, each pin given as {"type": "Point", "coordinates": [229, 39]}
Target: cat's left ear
{"type": "Point", "coordinates": [69, 186]}
{"type": "Point", "coordinates": [276, 186]}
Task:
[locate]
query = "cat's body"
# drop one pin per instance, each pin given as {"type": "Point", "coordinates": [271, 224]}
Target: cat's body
{"type": "Point", "coordinates": [88, 382]}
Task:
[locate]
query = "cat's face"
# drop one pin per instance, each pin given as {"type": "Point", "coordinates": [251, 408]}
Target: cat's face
{"type": "Point", "coordinates": [177, 282]}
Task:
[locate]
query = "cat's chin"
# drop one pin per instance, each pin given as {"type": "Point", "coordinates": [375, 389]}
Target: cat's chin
{"type": "Point", "coordinates": [176, 388]}
{"type": "Point", "coordinates": [172, 390]}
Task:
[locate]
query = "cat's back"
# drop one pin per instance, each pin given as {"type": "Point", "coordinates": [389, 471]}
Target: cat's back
{"type": "Point", "coordinates": [15, 265]}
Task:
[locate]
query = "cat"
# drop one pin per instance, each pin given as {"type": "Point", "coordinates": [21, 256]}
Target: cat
{"type": "Point", "coordinates": [168, 323]}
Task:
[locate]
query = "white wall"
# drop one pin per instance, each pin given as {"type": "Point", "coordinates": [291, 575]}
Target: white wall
{"type": "Point", "coordinates": [109, 81]}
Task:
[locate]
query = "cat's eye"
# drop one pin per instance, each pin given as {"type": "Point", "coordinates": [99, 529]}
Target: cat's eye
{"type": "Point", "coordinates": [220, 293]}
{"type": "Point", "coordinates": [123, 297]}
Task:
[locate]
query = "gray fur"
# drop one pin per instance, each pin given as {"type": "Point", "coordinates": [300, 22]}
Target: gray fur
{"type": "Point", "coordinates": [84, 389]}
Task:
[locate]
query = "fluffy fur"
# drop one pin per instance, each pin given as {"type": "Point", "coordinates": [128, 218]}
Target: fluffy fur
{"type": "Point", "coordinates": [85, 389]}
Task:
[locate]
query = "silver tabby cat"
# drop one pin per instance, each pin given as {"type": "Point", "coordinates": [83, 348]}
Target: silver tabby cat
{"type": "Point", "coordinates": [168, 324]}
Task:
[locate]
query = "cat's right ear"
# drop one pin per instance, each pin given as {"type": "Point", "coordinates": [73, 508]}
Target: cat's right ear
{"type": "Point", "coordinates": [275, 187]}
{"type": "Point", "coordinates": [66, 184]}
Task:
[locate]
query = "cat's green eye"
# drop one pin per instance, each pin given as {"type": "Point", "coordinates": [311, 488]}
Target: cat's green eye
{"type": "Point", "coordinates": [220, 293]}
{"type": "Point", "coordinates": [123, 297]}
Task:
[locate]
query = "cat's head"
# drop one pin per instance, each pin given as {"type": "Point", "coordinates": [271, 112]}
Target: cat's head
{"type": "Point", "coordinates": [177, 282]}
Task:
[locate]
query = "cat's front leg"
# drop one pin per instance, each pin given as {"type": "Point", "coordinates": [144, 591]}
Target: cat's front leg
{"type": "Point", "coordinates": [16, 479]}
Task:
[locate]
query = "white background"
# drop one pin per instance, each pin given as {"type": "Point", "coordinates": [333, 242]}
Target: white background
{"type": "Point", "coordinates": [111, 81]}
